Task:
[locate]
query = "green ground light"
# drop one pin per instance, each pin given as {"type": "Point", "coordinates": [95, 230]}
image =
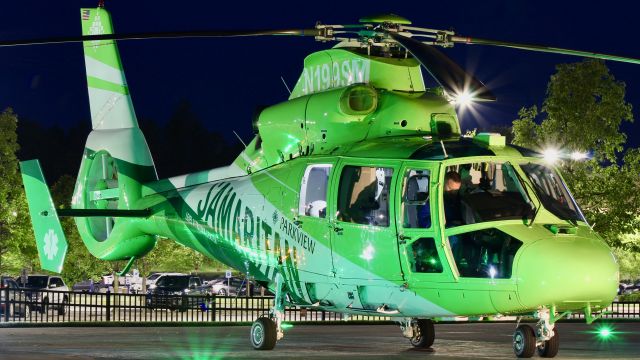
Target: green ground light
{"type": "Point", "coordinates": [605, 333]}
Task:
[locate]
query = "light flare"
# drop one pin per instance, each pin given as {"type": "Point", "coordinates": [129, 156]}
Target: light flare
{"type": "Point", "coordinates": [579, 155]}
{"type": "Point", "coordinates": [551, 155]}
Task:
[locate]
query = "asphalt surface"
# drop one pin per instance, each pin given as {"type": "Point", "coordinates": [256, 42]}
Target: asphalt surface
{"type": "Point", "coordinates": [453, 341]}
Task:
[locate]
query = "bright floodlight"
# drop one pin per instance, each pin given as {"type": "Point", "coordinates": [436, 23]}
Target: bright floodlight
{"type": "Point", "coordinates": [577, 155]}
{"type": "Point", "coordinates": [551, 155]}
{"type": "Point", "coordinates": [463, 99]}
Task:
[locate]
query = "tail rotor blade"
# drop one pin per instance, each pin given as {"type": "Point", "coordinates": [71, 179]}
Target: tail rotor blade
{"type": "Point", "coordinates": [444, 70]}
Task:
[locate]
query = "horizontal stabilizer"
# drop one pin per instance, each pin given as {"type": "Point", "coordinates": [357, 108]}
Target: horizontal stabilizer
{"type": "Point", "coordinates": [50, 240]}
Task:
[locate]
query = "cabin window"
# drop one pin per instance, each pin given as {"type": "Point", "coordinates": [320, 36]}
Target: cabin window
{"type": "Point", "coordinates": [425, 256]}
{"type": "Point", "coordinates": [313, 193]}
{"type": "Point", "coordinates": [363, 196]}
{"type": "Point", "coordinates": [415, 199]}
{"type": "Point", "coordinates": [484, 254]}
{"type": "Point", "coordinates": [484, 191]}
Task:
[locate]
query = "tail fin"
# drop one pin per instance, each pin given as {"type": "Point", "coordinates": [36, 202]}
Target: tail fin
{"type": "Point", "coordinates": [50, 239]}
{"type": "Point", "coordinates": [109, 98]}
{"type": "Point", "coordinates": [116, 160]}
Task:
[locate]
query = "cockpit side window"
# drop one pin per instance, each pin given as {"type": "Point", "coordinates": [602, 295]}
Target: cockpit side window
{"type": "Point", "coordinates": [363, 195]}
{"type": "Point", "coordinates": [483, 191]}
{"type": "Point", "coordinates": [552, 192]}
{"type": "Point", "coordinates": [313, 193]}
{"type": "Point", "coordinates": [415, 199]}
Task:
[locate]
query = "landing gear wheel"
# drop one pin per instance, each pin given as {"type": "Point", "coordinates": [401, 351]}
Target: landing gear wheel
{"type": "Point", "coordinates": [424, 334]}
{"type": "Point", "coordinates": [263, 334]}
{"type": "Point", "coordinates": [549, 348]}
{"type": "Point", "coordinates": [524, 341]}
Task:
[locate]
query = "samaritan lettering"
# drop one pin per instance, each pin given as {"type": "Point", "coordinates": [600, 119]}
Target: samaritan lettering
{"type": "Point", "coordinates": [231, 218]}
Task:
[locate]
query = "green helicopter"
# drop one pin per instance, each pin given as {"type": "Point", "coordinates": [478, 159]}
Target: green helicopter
{"type": "Point", "coordinates": [357, 195]}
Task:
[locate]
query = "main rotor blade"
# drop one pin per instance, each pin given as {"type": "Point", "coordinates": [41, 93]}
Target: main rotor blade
{"type": "Point", "coordinates": [542, 48]}
{"type": "Point", "coordinates": [162, 35]}
{"type": "Point", "coordinates": [444, 70]}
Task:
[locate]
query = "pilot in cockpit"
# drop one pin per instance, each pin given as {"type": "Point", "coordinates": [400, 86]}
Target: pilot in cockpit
{"type": "Point", "coordinates": [451, 199]}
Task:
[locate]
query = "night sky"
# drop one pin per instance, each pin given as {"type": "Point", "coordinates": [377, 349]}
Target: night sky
{"type": "Point", "coordinates": [226, 79]}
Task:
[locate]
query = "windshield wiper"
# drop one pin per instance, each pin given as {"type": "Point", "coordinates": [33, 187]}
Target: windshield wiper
{"type": "Point", "coordinates": [573, 222]}
{"type": "Point", "coordinates": [528, 186]}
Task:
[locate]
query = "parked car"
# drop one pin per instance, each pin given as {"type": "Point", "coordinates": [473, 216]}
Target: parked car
{"type": "Point", "coordinates": [256, 290]}
{"type": "Point", "coordinates": [153, 278]}
{"type": "Point", "coordinates": [85, 286]}
{"type": "Point", "coordinates": [44, 291]}
{"type": "Point", "coordinates": [17, 303]}
{"type": "Point", "coordinates": [224, 286]}
{"type": "Point", "coordinates": [628, 287]}
{"type": "Point", "coordinates": [234, 287]}
{"type": "Point", "coordinates": [169, 292]}
{"type": "Point", "coordinates": [127, 284]}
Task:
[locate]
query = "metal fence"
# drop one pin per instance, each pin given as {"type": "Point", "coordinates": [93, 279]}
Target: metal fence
{"type": "Point", "coordinates": [48, 306]}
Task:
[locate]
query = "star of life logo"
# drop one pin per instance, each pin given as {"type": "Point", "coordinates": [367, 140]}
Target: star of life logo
{"type": "Point", "coordinates": [51, 244]}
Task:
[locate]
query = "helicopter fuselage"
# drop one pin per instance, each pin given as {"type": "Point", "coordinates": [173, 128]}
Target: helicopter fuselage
{"type": "Point", "coordinates": [498, 258]}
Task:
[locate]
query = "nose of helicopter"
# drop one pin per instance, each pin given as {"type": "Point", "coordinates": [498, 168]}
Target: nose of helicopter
{"type": "Point", "coordinates": [570, 273]}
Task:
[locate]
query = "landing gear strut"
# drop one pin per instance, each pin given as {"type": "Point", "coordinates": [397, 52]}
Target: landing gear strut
{"type": "Point", "coordinates": [420, 332]}
{"type": "Point", "coordinates": [545, 338]}
{"type": "Point", "coordinates": [266, 331]}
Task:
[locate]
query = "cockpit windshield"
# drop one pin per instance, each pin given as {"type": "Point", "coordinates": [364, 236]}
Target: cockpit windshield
{"type": "Point", "coordinates": [552, 191]}
{"type": "Point", "coordinates": [484, 191]}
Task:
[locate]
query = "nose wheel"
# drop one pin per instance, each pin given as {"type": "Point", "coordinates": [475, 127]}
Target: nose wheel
{"type": "Point", "coordinates": [545, 338]}
{"type": "Point", "coordinates": [524, 341]}
{"type": "Point", "coordinates": [549, 348]}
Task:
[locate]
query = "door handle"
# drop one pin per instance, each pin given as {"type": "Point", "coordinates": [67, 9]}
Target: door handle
{"type": "Point", "coordinates": [403, 238]}
{"type": "Point", "coordinates": [338, 230]}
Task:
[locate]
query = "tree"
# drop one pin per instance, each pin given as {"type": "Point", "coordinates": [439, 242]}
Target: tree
{"type": "Point", "coordinates": [14, 224]}
{"type": "Point", "coordinates": [583, 111]}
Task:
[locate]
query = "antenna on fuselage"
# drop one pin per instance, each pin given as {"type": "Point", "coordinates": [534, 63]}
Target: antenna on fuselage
{"type": "Point", "coordinates": [444, 151]}
{"type": "Point", "coordinates": [285, 84]}
{"type": "Point", "coordinates": [239, 138]}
